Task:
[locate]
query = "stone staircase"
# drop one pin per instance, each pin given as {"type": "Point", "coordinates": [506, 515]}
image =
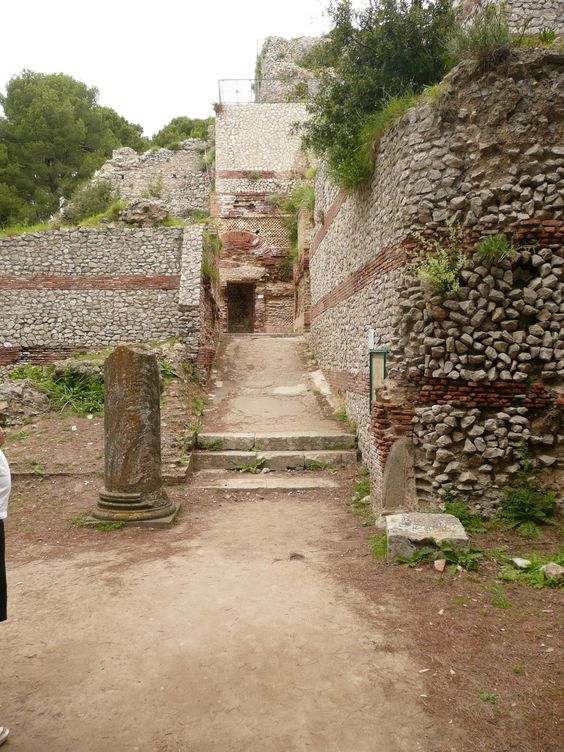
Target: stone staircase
{"type": "Point", "coordinates": [264, 459]}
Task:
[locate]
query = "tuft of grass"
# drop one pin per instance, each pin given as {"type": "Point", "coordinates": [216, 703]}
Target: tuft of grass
{"type": "Point", "coordinates": [455, 557]}
{"type": "Point", "coordinates": [108, 527]}
{"type": "Point", "coordinates": [485, 696]}
{"type": "Point", "coordinates": [18, 436]}
{"type": "Point", "coordinates": [167, 370]}
{"type": "Point", "coordinates": [378, 546]}
{"type": "Point", "coordinates": [23, 229]}
{"type": "Point", "coordinates": [353, 167]}
{"type": "Point", "coordinates": [498, 596]}
{"type": "Point", "coordinates": [211, 446]}
{"type": "Point", "coordinates": [36, 469]}
{"type": "Point", "coordinates": [494, 248]}
{"type": "Point", "coordinates": [486, 38]}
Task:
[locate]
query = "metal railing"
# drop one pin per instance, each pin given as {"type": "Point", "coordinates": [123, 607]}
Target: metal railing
{"type": "Point", "coordinates": [246, 90]}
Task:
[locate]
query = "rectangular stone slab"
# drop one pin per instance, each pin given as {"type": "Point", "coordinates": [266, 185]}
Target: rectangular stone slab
{"type": "Point", "coordinates": [227, 441]}
{"type": "Point", "coordinates": [409, 531]}
{"type": "Point", "coordinates": [222, 460]}
{"type": "Point", "coordinates": [297, 441]}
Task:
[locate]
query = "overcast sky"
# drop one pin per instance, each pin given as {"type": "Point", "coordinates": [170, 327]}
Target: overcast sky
{"type": "Point", "coordinates": [150, 61]}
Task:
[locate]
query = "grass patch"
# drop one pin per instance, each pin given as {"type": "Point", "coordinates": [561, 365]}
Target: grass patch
{"type": "Point", "coordinates": [486, 39]}
{"type": "Point", "coordinates": [81, 393]}
{"type": "Point", "coordinates": [352, 168]}
{"type": "Point", "coordinates": [533, 576]}
{"type": "Point", "coordinates": [20, 229]}
{"type": "Point", "coordinates": [18, 436]}
{"type": "Point", "coordinates": [378, 546]}
{"type": "Point", "coordinates": [426, 554]}
{"type": "Point", "coordinates": [210, 446]}
{"type": "Point", "coordinates": [167, 370]}
{"type": "Point", "coordinates": [360, 503]}
{"type": "Point", "coordinates": [485, 696]}
{"type": "Point", "coordinates": [498, 596]}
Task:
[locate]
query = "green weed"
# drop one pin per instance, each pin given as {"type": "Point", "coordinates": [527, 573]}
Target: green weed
{"type": "Point", "coordinates": [210, 446]}
{"type": "Point", "coordinates": [18, 436]}
{"type": "Point", "coordinates": [532, 576]}
{"type": "Point", "coordinates": [485, 696]}
{"type": "Point", "coordinates": [378, 546]}
{"type": "Point", "coordinates": [525, 505]}
{"type": "Point", "coordinates": [253, 468]}
{"type": "Point", "coordinates": [498, 596]}
{"type": "Point", "coordinates": [167, 370]}
{"type": "Point", "coordinates": [459, 509]}
{"type": "Point", "coordinates": [486, 39]}
{"type": "Point", "coordinates": [440, 261]}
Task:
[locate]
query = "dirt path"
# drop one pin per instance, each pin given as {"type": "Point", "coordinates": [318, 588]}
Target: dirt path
{"type": "Point", "coordinates": [234, 637]}
{"type": "Point", "coordinates": [262, 385]}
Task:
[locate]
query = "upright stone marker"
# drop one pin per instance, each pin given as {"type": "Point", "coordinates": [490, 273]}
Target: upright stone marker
{"type": "Point", "coordinates": [133, 490]}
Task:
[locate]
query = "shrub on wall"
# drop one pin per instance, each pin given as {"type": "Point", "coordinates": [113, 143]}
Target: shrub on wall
{"type": "Point", "coordinates": [440, 262]}
{"type": "Point", "coordinates": [91, 199]}
{"type": "Point", "coordinates": [486, 38]}
{"type": "Point", "coordinates": [381, 51]}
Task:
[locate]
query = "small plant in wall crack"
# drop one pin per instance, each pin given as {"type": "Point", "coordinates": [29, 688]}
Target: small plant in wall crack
{"type": "Point", "coordinates": [440, 261]}
{"type": "Point", "coordinates": [497, 248]}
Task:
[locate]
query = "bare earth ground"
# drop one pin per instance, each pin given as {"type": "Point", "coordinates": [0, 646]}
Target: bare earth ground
{"type": "Point", "coordinates": [257, 622]}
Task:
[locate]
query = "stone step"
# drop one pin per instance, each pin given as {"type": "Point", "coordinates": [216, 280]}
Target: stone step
{"type": "Point", "coordinates": [263, 482]}
{"type": "Point", "coordinates": [295, 441]}
{"type": "Point", "coordinates": [232, 460]}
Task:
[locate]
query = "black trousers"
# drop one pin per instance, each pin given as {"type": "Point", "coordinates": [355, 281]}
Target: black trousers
{"type": "Point", "coordinates": [3, 588]}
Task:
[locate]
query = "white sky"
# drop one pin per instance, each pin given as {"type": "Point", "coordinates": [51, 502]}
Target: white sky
{"type": "Point", "coordinates": [150, 61]}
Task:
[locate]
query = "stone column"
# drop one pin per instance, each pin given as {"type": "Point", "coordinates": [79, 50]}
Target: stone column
{"type": "Point", "coordinates": [133, 491]}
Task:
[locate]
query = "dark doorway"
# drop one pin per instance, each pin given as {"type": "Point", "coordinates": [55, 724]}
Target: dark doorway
{"type": "Point", "coordinates": [240, 307]}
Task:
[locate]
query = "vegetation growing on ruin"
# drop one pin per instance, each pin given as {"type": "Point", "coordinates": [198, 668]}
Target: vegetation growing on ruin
{"type": "Point", "coordinates": [303, 197]}
{"type": "Point", "coordinates": [440, 261]}
{"type": "Point", "coordinates": [80, 392]}
{"type": "Point", "coordinates": [486, 38]}
{"type": "Point", "coordinates": [366, 66]}
{"type": "Point", "coordinates": [525, 505]}
{"type": "Point", "coordinates": [90, 200]}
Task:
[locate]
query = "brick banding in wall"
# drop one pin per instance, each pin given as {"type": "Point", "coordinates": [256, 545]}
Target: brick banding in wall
{"type": "Point", "coordinates": [91, 282]}
{"type": "Point", "coordinates": [389, 259]}
{"type": "Point", "coordinates": [38, 355]}
{"type": "Point", "coordinates": [327, 222]}
{"type": "Point", "coordinates": [343, 381]}
{"type": "Point", "coordinates": [389, 423]}
{"type": "Point", "coordinates": [471, 394]}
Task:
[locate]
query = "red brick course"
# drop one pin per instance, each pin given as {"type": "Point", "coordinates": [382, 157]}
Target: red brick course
{"type": "Point", "coordinates": [471, 394]}
{"type": "Point", "coordinates": [386, 261]}
{"type": "Point", "coordinates": [389, 423]}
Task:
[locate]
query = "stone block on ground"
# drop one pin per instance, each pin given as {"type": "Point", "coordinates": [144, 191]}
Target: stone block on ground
{"type": "Point", "coordinates": [327, 458]}
{"type": "Point", "coordinates": [223, 460]}
{"type": "Point", "coordinates": [226, 441]}
{"type": "Point", "coordinates": [282, 460]}
{"type": "Point", "coordinates": [410, 531]}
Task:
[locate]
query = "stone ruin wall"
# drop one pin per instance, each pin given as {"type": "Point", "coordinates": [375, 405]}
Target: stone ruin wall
{"type": "Point", "coordinates": [473, 374]}
{"type": "Point", "coordinates": [282, 78]}
{"type": "Point", "coordinates": [75, 291]}
{"type": "Point", "coordinates": [179, 179]}
{"type": "Point", "coordinates": [524, 16]}
{"type": "Point", "coordinates": [257, 156]}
